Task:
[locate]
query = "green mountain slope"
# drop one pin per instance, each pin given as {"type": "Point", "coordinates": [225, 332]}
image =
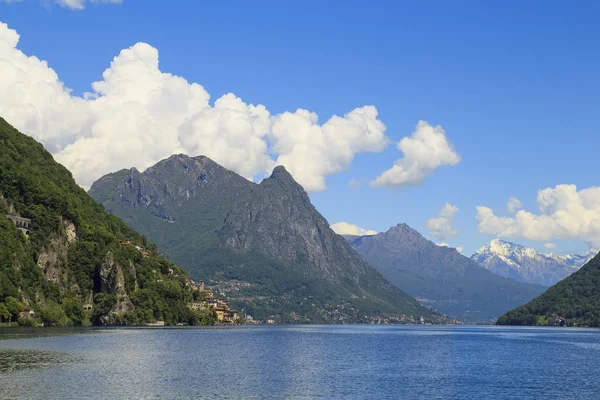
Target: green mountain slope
{"type": "Point", "coordinates": [264, 245]}
{"type": "Point", "coordinates": [441, 276]}
{"type": "Point", "coordinates": [73, 255]}
{"type": "Point", "coordinates": [574, 301]}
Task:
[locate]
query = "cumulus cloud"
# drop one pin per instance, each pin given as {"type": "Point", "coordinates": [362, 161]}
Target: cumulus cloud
{"type": "Point", "coordinates": [311, 151]}
{"type": "Point", "coordinates": [514, 204]}
{"type": "Point", "coordinates": [344, 228]}
{"type": "Point", "coordinates": [137, 115]}
{"type": "Point", "coordinates": [565, 213]}
{"type": "Point", "coordinates": [550, 245]}
{"type": "Point", "coordinates": [424, 151]}
{"type": "Point", "coordinates": [441, 226]}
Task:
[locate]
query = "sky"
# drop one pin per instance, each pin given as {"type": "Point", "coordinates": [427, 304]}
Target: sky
{"type": "Point", "coordinates": [467, 120]}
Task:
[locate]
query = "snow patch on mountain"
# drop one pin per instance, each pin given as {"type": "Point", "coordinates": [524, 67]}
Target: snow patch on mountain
{"type": "Point", "coordinates": [528, 265]}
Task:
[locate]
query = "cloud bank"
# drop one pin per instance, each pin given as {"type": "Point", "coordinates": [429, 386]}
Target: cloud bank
{"type": "Point", "coordinates": [137, 115]}
{"type": "Point", "coordinates": [441, 226]}
{"type": "Point", "coordinates": [344, 228]}
{"type": "Point", "coordinates": [565, 213]}
{"type": "Point", "coordinates": [425, 150]}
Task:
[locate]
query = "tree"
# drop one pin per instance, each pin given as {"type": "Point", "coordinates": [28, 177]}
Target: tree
{"type": "Point", "coordinates": [53, 315]}
{"type": "Point", "coordinates": [14, 307]}
{"type": "Point", "coordinates": [4, 313]}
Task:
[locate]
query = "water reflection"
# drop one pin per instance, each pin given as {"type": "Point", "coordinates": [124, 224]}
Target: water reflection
{"type": "Point", "coordinates": [299, 362]}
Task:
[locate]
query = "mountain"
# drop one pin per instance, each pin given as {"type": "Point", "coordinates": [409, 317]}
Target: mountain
{"type": "Point", "coordinates": [265, 245]}
{"type": "Point", "coordinates": [527, 265]}
{"type": "Point", "coordinates": [440, 276]}
{"type": "Point", "coordinates": [66, 260]}
{"type": "Point", "coordinates": [574, 301]}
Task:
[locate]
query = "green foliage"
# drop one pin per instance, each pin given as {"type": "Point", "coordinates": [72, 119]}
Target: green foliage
{"type": "Point", "coordinates": [27, 322]}
{"type": "Point", "coordinates": [14, 307]}
{"type": "Point", "coordinates": [574, 301]}
{"type": "Point", "coordinates": [5, 315]}
{"type": "Point", "coordinates": [44, 191]}
{"type": "Point", "coordinates": [53, 315]}
{"type": "Point", "coordinates": [73, 309]}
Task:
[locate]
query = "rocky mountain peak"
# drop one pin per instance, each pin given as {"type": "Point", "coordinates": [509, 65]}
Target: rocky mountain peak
{"type": "Point", "coordinates": [282, 177]}
{"type": "Point", "coordinates": [526, 264]}
{"type": "Point", "coordinates": [402, 229]}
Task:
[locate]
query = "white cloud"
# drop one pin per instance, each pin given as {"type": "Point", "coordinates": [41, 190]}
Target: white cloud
{"type": "Point", "coordinates": [425, 150]}
{"type": "Point", "coordinates": [459, 249]}
{"type": "Point", "coordinates": [441, 226]}
{"type": "Point", "coordinates": [310, 151]}
{"type": "Point", "coordinates": [344, 228]}
{"type": "Point", "coordinates": [514, 204]}
{"type": "Point", "coordinates": [80, 4]}
{"type": "Point", "coordinates": [564, 214]}
{"type": "Point", "coordinates": [550, 245]}
{"type": "Point", "coordinates": [137, 115]}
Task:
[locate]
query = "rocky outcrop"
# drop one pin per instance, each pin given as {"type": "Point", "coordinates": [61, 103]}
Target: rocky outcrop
{"type": "Point", "coordinates": [70, 231]}
{"type": "Point", "coordinates": [54, 254]}
{"type": "Point", "coordinates": [112, 281]}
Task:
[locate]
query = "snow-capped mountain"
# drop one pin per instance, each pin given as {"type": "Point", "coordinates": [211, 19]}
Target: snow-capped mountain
{"type": "Point", "coordinates": [528, 265]}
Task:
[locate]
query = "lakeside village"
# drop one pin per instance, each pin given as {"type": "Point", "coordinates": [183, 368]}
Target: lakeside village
{"type": "Point", "coordinates": [205, 299]}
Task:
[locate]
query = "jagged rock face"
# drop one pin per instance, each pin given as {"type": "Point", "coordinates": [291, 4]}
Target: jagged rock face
{"type": "Point", "coordinates": [70, 231]}
{"type": "Point", "coordinates": [278, 220]}
{"type": "Point", "coordinates": [526, 264]}
{"type": "Point", "coordinates": [176, 182]}
{"type": "Point", "coordinates": [220, 227]}
{"type": "Point", "coordinates": [112, 281]}
{"type": "Point", "coordinates": [441, 276]}
{"type": "Point", "coordinates": [52, 257]}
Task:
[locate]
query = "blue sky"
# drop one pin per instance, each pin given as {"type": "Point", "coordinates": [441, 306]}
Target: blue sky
{"type": "Point", "coordinates": [515, 87]}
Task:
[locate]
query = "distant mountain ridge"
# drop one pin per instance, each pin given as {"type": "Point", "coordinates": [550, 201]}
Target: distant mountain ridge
{"type": "Point", "coordinates": [526, 264]}
{"type": "Point", "coordinates": [440, 276]}
{"type": "Point", "coordinates": [264, 245]}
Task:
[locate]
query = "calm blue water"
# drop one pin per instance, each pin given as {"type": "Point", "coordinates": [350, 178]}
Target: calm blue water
{"type": "Point", "coordinates": [301, 362]}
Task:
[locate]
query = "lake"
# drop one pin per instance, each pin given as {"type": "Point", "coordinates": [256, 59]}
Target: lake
{"type": "Point", "coordinates": [301, 362]}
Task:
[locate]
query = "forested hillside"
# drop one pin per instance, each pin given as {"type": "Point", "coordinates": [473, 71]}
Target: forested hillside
{"type": "Point", "coordinates": [574, 301]}
{"type": "Point", "coordinates": [76, 264]}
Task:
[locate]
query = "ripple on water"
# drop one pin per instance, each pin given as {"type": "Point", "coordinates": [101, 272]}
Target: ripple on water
{"type": "Point", "coordinates": [12, 360]}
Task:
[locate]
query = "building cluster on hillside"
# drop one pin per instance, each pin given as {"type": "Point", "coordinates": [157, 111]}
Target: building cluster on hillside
{"type": "Point", "coordinates": [225, 314]}
{"type": "Point", "coordinates": [128, 242]}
